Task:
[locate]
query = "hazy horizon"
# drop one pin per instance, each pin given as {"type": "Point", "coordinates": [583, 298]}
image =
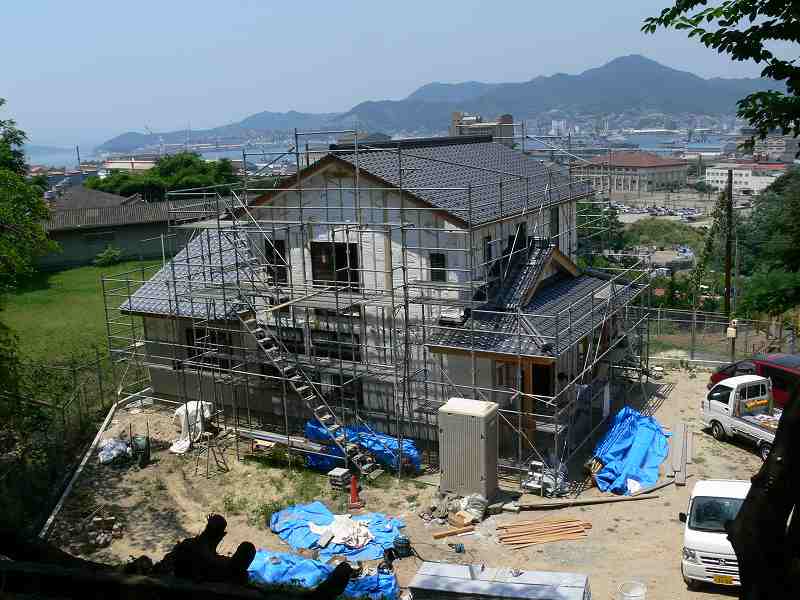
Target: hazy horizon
{"type": "Point", "coordinates": [97, 72]}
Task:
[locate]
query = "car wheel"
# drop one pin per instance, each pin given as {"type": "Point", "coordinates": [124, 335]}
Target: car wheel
{"type": "Point", "coordinates": [691, 584]}
{"type": "Point", "coordinates": [764, 450]}
{"type": "Point", "coordinates": [718, 431]}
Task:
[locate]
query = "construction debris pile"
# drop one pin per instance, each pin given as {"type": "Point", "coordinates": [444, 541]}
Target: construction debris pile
{"type": "Point", "coordinates": [314, 527]}
{"type": "Point", "coordinates": [383, 448]}
{"type": "Point", "coordinates": [280, 568]}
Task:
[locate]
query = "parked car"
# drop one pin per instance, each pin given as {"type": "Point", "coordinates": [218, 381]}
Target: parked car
{"type": "Point", "coordinates": [742, 407]}
{"type": "Point", "coordinates": [708, 556]}
{"type": "Point", "coordinates": [782, 369]}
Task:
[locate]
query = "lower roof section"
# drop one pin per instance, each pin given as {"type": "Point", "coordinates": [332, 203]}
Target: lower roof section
{"type": "Point", "coordinates": [562, 311]}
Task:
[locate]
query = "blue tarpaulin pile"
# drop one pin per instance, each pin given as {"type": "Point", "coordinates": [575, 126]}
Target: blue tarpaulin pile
{"type": "Point", "coordinates": [383, 447]}
{"type": "Point", "coordinates": [633, 448]}
{"type": "Point", "coordinates": [280, 568]}
{"type": "Point", "coordinates": [291, 525]}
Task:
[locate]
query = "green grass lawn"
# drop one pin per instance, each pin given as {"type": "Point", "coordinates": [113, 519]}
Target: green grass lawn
{"type": "Point", "coordinates": [59, 315]}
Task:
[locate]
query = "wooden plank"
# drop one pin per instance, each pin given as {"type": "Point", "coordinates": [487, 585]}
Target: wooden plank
{"type": "Point", "coordinates": [544, 524]}
{"type": "Point", "coordinates": [532, 522]}
{"type": "Point", "coordinates": [678, 446]}
{"type": "Point", "coordinates": [449, 532]}
{"type": "Point", "coordinates": [689, 447]}
{"type": "Point", "coordinates": [525, 531]}
{"type": "Point", "coordinates": [668, 470]}
{"type": "Point", "coordinates": [586, 502]}
{"type": "Point", "coordinates": [536, 543]}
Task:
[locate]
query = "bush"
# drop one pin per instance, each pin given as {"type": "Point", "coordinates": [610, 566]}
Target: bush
{"type": "Point", "coordinates": [110, 256]}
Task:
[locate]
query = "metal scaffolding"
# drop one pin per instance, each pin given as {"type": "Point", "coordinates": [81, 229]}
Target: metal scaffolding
{"type": "Point", "coordinates": [338, 299]}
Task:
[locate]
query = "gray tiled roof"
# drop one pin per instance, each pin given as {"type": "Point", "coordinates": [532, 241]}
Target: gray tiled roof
{"type": "Point", "coordinates": [93, 217]}
{"type": "Point", "coordinates": [524, 274]}
{"type": "Point", "coordinates": [475, 162]}
{"type": "Point", "coordinates": [207, 261]}
{"type": "Point", "coordinates": [547, 328]}
{"type": "Point", "coordinates": [78, 196]}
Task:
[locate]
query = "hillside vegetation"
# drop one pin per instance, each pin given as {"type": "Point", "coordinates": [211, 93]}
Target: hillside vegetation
{"type": "Point", "coordinates": [176, 172]}
{"type": "Point", "coordinates": [661, 232]}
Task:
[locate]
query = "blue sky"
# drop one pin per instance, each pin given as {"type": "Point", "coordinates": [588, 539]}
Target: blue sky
{"type": "Point", "coordinates": [81, 72]}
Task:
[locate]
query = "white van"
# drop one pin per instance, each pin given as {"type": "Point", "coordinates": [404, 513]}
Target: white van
{"type": "Point", "coordinates": [707, 554]}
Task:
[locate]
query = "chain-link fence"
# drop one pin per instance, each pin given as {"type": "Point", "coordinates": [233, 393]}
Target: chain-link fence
{"type": "Point", "coordinates": [45, 426]}
{"type": "Point", "coordinates": [702, 337]}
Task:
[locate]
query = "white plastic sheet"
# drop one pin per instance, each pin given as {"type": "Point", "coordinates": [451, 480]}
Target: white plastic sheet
{"type": "Point", "coordinates": [111, 448]}
{"type": "Point", "coordinates": [191, 417]}
{"type": "Point", "coordinates": [353, 534]}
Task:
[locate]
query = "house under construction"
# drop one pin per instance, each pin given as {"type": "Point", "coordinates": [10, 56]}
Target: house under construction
{"type": "Point", "coordinates": [376, 283]}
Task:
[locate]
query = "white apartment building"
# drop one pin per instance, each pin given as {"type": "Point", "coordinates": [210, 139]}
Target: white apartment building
{"type": "Point", "coordinates": [501, 129]}
{"type": "Point", "coordinates": [749, 179]}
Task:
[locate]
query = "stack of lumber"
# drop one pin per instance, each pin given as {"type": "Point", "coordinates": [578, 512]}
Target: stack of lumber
{"type": "Point", "coordinates": [530, 533]}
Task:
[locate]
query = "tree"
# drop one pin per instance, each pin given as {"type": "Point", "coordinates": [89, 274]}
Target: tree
{"type": "Point", "coordinates": [181, 171]}
{"type": "Point", "coordinates": [703, 187]}
{"type": "Point", "coordinates": [745, 29]}
{"type": "Point", "coordinates": [772, 292]}
{"type": "Point", "coordinates": [12, 158]}
{"type": "Point", "coordinates": [22, 238]}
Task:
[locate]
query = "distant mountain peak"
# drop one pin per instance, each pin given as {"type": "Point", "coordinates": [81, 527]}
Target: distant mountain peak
{"type": "Point", "coordinates": [634, 59]}
{"type": "Point", "coordinates": [626, 83]}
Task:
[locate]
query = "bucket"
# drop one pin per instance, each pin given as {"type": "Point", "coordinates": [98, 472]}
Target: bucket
{"type": "Point", "coordinates": [632, 590]}
{"type": "Point", "coordinates": [402, 546]}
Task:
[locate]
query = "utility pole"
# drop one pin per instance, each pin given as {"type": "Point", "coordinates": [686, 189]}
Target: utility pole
{"type": "Point", "coordinates": [728, 258]}
{"type": "Point", "coordinates": [728, 243]}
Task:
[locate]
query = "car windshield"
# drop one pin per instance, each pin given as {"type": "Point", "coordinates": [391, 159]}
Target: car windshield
{"type": "Point", "coordinates": [711, 514]}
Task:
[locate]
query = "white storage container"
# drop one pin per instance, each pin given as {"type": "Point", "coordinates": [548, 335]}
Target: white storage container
{"type": "Point", "coordinates": [468, 447]}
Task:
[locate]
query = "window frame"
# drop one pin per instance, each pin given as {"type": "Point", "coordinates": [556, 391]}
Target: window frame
{"type": "Point", "coordinates": [438, 267]}
{"type": "Point", "coordinates": [280, 274]}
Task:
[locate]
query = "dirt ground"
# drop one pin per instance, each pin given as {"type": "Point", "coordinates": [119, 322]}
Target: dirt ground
{"type": "Point", "coordinates": [167, 501]}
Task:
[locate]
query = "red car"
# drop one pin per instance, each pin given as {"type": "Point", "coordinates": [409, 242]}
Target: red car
{"type": "Point", "coordinates": [782, 369]}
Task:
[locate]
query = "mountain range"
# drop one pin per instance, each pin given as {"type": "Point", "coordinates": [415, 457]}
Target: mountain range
{"type": "Point", "coordinates": [624, 84]}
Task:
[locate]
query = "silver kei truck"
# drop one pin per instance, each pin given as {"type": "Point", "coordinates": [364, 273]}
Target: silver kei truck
{"type": "Point", "coordinates": [742, 407]}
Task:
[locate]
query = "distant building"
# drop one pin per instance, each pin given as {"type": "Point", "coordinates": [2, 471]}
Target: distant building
{"type": "Point", "coordinates": [501, 129]}
{"type": "Point", "coordinates": [558, 127]}
{"type": "Point", "coordinates": [749, 179]}
{"type": "Point", "coordinates": [633, 172]}
{"type": "Point", "coordinates": [364, 137]}
{"type": "Point", "coordinates": [129, 164]}
{"type": "Point", "coordinates": [84, 222]}
{"type": "Point", "coordinates": [64, 178]}
{"type": "Point", "coordinates": [775, 147]}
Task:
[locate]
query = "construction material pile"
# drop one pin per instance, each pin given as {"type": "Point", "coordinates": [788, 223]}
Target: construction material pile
{"type": "Point", "coordinates": [383, 447]}
{"type": "Point", "coordinates": [530, 533]}
{"type": "Point", "coordinates": [314, 527]}
{"type": "Point", "coordinates": [279, 568]}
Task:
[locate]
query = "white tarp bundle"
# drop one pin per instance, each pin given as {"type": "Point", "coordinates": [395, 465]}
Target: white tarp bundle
{"type": "Point", "coordinates": [111, 448]}
{"type": "Point", "coordinates": [191, 417]}
{"type": "Point", "coordinates": [353, 534]}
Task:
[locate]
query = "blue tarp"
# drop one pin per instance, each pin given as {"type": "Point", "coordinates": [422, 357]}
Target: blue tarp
{"type": "Point", "coordinates": [633, 448]}
{"type": "Point", "coordinates": [291, 525]}
{"type": "Point", "coordinates": [291, 569]}
{"type": "Point", "coordinates": [322, 463]}
{"type": "Point", "coordinates": [383, 447]}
